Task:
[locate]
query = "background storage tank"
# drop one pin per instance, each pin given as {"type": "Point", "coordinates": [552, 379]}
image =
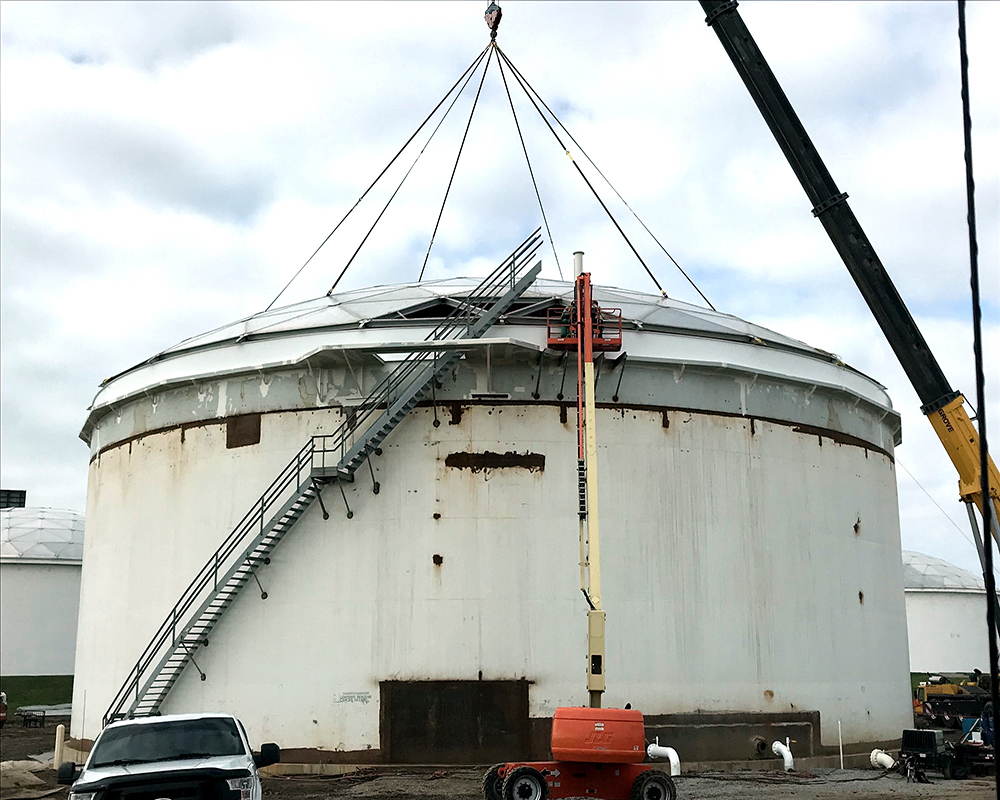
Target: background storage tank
{"type": "Point", "coordinates": [41, 550]}
{"type": "Point", "coordinates": [945, 616]}
{"type": "Point", "coordinates": [751, 559]}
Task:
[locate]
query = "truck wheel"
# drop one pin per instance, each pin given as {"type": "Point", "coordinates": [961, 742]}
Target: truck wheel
{"type": "Point", "coordinates": [524, 783]}
{"type": "Point", "coordinates": [493, 783]}
{"type": "Point", "coordinates": [653, 785]}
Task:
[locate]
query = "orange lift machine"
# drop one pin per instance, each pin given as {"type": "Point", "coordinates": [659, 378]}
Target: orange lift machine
{"type": "Point", "coordinates": [597, 751]}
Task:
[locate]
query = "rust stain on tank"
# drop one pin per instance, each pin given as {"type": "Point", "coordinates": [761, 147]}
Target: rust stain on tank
{"type": "Point", "coordinates": [840, 438]}
{"type": "Point", "coordinates": [533, 462]}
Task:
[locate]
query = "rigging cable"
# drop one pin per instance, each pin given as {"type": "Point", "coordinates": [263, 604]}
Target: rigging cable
{"type": "Point", "coordinates": [530, 170]}
{"type": "Point", "coordinates": [389, 201]}
{"type": "Point", "coordinates": [613, 189]}
{"type": "Point", "coordinates": [590, 186]}
{"type": "Point", "coordinates": [461, 147]}
{"type": "Point", "coordinates": [988, 507]}
{"type": "Point", "coordinates": [468, 69]}
{"type": "Point", "coordinates": [930, 497]}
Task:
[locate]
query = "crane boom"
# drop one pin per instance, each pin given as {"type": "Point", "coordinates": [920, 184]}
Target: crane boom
{"type": "Point", "coordinates": [943, 406]}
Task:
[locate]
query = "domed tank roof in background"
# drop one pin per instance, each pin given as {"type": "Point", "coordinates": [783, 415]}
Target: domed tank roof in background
{"type": "Point", "coordinates": [927, 573]}
{"type": "Point", "coordinates": [41, 534]}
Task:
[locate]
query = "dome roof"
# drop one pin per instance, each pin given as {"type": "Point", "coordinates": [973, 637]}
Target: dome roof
{"type": "Point", "coordinates": [41, 534]}
{"type": "Point", "coordinates": [402, 304]}
{"type": "Point", "coordinates": [377, 323]}
{"type": "Point", "coordinates": [925, 572]}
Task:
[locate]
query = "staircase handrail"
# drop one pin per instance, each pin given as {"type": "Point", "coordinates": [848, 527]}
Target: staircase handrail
{"type": "Point", "coordinates": [252, 521]}
{"type": "Point", "coordinates": [255, 517]}
{"type": "Point", "coordinates": [486, 291]}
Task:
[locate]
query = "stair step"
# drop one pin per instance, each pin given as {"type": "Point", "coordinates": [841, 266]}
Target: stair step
{"type": "Point", "coordinates": [206, 608]}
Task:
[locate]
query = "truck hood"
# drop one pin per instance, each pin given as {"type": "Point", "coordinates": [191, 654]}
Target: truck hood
{"type": "Point", "coordinates": [222, 763]}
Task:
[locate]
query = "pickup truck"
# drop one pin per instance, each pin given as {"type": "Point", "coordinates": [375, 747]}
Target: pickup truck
{"type": "Point", "coordinates": [198, 756]}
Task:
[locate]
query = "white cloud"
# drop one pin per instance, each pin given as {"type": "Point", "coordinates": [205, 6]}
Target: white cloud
{"type": "Point", "coordinates": [168, 166]}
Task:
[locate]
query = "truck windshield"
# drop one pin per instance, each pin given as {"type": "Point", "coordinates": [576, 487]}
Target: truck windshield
{"type": "Point", "coordinates": [167, 741]}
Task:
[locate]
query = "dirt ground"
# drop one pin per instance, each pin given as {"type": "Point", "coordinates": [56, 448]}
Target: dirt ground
{"type": "Point", "coordinates": [392, 783]}
{"type": "Point", "coordinates": [463, 783]}
{"type": "Point", "coordinates": [17, 743]}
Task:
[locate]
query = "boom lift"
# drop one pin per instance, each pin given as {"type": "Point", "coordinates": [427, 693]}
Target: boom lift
{"type": "Point", "coordinates": [582, 327]}
{"type": "Point", "coordinates": [598, 751]}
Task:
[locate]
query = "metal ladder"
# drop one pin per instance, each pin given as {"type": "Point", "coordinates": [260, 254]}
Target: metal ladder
{"type": "Point", "coordinates": [323, 459]}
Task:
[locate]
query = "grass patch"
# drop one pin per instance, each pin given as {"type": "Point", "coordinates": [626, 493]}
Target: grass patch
{"type": "Point", "coordinates": [36, 690]}
{"type": "Point", "coordinates": [916, 678]}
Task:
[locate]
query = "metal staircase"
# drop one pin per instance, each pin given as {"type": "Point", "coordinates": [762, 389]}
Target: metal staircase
{"type": "Point", "coordinates": [323, 459]}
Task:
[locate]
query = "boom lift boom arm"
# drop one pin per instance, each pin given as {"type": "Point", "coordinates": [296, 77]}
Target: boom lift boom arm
{"type": "Point", "coordinates": [584, 326]}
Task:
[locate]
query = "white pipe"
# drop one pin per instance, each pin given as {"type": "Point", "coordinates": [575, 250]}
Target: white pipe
{"type": "Point", "coordinates": [882, 759]}
{"type": "Point", "coordinates": [782, 750]}
{"type": "Point", "coordinates": [656, 751]}
{"type": "Point", "coordinates": [578, 263]}
{"type": "Point", "coordinates": [840, 738]}
{"type": "Point", "coordinates": [57, 756]}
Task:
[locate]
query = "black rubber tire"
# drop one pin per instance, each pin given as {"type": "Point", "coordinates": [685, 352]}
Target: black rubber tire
{"type": "Point", "coordinates": [524, 783]}
{"type": "Point", "coordinates": [493, 783]}
{"type": "Point", "coordinates": [653, 785]}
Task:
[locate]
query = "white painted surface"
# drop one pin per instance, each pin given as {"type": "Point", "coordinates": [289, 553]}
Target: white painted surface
{"type": "Point", "coordinates": [947, 630]}
{"type": "Point", "coordinates": [267, 355]}
{"type": "Point", "coordinates": [656, 329]}
{"type": "Point", "coordinates": [39, 603]}
{"type": "Point", "coordinates": [730, 561]}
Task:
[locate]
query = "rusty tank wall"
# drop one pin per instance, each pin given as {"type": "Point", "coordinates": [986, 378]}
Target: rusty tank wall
{"type": "Point", "coordinates": [751, 557]}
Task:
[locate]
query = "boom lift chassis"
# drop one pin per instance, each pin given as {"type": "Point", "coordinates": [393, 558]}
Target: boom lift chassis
{"type": "Point", "coordinates": [597, 750]}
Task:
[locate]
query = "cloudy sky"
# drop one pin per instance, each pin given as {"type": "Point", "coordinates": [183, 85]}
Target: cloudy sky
{"type": "Point", "coordinates": [168, 167]}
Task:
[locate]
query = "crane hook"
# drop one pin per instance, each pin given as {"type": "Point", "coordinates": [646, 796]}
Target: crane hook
{"type": "Point", "coordinates": [493, 15]}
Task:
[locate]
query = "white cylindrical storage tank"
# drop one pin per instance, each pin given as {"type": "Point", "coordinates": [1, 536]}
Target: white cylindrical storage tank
{"type": "Point", "coordinates": [945, 616]}
{"type": "Point", "coordinates": [750, 553]}
{"type": "Point", "coordinates": [41, 550]}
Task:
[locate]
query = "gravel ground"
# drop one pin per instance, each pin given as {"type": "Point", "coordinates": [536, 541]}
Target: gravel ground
{"type": "Point", "coordinates": [463, 783]}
